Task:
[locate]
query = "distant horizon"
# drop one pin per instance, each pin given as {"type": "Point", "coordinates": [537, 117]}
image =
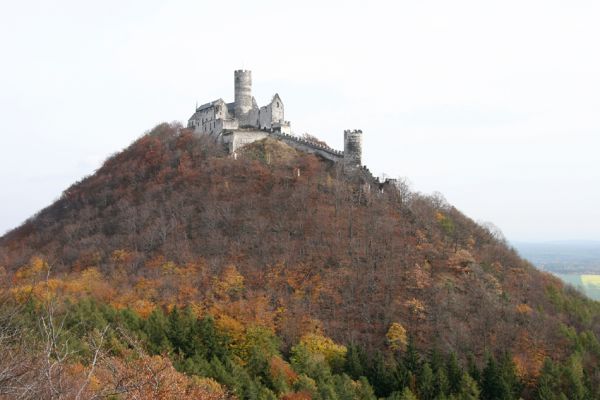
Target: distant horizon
{"type": "Point", "coordinates": [560, 242]}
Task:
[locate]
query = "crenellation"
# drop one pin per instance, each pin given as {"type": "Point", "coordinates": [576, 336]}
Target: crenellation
{"type": "Point", "coordinates": [243, 121]}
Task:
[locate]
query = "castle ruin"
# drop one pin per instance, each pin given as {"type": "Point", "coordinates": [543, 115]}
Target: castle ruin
{"type": "Point", "coordinates": [241, 122]}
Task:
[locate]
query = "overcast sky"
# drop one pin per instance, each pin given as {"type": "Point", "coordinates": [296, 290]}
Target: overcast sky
{"type": "Point", "coordinates": [495, 104]}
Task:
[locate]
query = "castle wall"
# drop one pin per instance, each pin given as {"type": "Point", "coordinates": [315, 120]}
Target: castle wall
{"type": "Point", "coordinates": [250, 119]}
{"type": "Point", "coordinates": [239, 138]}
{"type": "Point", "coordinates": [265, 118]}
{"type": "Point", "coordinates": [309, 147]}
{"type": "Point", "coordinates": [271, 114]}
{"type": "Point", "coordinates": [276, 110]}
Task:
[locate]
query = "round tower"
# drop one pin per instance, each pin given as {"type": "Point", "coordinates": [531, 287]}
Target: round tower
{"type": "Point", "coordinates": [353, 148]}
{"type": "Point", "coordinates": [243, 92]}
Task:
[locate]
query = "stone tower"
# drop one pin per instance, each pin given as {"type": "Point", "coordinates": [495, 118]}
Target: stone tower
{"type": "Point", "coordinates": [243, 92]}
{"type": "Point", "coordinates": [353, 148]}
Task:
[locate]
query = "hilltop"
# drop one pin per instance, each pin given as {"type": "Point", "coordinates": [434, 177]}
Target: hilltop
{"type": "Point", "coordinates": [289, 241]}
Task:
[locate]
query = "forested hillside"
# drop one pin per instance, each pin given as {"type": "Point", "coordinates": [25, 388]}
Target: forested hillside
{"type": "Point", "coordinates": [276, 274]}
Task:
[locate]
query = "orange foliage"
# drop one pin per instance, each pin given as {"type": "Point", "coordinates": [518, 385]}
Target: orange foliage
{"type": "Point", "coordinates": [524, 309]}
{"type": "Point", "coordinates": [304, 395]}
{"type": "Point", "coordinates": [280, 369]}
{"type": "Point", "coordinates": [152, 378]}
{"type": "Point", "coordinates": [529, 354]}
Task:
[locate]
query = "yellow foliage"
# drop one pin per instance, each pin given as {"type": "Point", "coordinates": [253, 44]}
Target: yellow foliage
{"type": "Point", "coordinates": [319, 344]}
{"type": "Point", "coordinates": [396, 336]}
{"type": "Point", "coordinates": [230, 283]}
{"type": "Point", "coordinates": [231, 327]}
{"type": "Point", "coordinates": [35, 269]}
{"type": "Point", "coordinates": [208, 384]}
{"type": "Point", "coordinates": [91, 275]}
{"type": "Point", "coordinates": [169, 268]}
{"type": "Point", "coordinates": [22, 293]}
{"type": "Point", "coordinates": [415, 306]}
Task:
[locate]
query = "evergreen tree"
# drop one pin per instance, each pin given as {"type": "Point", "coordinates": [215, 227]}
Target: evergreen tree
{"type": "Point", "coordinates": [382, 376]}
{"type": "Point", "coordinates": [213, 343]}
{"type": "Point", "coordinates": [364, 391]}
{"type": "Point", "coordinates": [468, 388]}
{"type": "Point", "coordinates": [344, 387]}
{"type": "Point", "coordinates": [473, 369]}
{"type": "Point", "coordinates": [155, 329]}
{"type": "Point", "coordinates": [181, 331]}
{"type": "Point", "coordinates": [436, 361]}
{"type": "Point", "coordinates": [407, 394]}
{"type": "Point", "coordinates": [355, 365]}
{"type": "Point", "coordinates": [442, 386]}
{"type": "Point", "coordinates": [573, 378]}
{"type": "Point", "coordinates": [426, 383]}
{"type": "Point", "coordinates": [454, 373]}
{"type": "Point", "coordinates": [411, 359]}
{"type": "Point", "coordinates": [493, 386]}
{"type": "Point", "coordinates": [402, 376]}
{"type": "Point", "coordinates": [508, 371]}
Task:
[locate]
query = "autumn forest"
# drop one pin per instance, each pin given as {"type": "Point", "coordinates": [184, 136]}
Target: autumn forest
{"type": "Point", "coordinates": [177, 271]}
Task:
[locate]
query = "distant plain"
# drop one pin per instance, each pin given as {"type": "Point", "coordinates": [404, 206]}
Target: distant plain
{"type": "Point", "coordinates": [575, 262]}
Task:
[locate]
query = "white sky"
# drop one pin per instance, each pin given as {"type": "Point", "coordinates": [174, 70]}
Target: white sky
{"type": "Point", "coordinates": [495, 104]}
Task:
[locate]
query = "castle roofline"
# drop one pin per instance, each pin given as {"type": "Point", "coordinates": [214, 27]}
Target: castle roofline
{"type": "Point", "coordinates": [209, 105]}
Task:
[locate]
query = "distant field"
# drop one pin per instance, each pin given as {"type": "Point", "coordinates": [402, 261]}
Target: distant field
{"type": "Point", "coordinates": [588, 284]}
{"type": "Point", "coordinates": [571, 257]}
{"type": "Point", "coordinates": [575, 262]}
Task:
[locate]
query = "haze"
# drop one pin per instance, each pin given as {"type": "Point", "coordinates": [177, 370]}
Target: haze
{"type": "Point", "coordinates": [495, 105]}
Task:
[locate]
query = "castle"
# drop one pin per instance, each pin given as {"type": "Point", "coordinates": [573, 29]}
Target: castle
{"type": "Point", "coordinates": [241, 122]}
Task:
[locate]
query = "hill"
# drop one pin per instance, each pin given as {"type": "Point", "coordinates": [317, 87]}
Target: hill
{"type": "Point", "coordinates": [291, 243]}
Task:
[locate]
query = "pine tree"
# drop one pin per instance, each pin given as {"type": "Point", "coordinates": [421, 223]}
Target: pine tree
{"type": "Point", "coordinates": [493, 386]}
{"type": "Point", "coordinates": [442, 386]}
{"type": "Point", "coordinates": [407, 394]}
{"type": "Point", "coordinates": [573, 378]}
{"type": "Point", "coordinates": [426, 383]}
{"type": "Point", "coordinates": [411, 359]}
{"type": "Point", "coordinates": [468, 388]}
{"type": "Point", "coordinates": [508, 371]}
{"type": "Point", "coordinates": [212, 343]}
{"type": "Point", "coordinates": [364, 391]}
{"type": "Point", "coordinates": [436, 360]}
{"type": "Point", "coordinates": [156, 331]}
{"type": "Point", "coordinates": [473, 369]}
{"type": "Point", "coordinates": [454, 373]}
{"type": "Point", "coordinates": [355, 362]}
{"type": "Point", "coordinates": [180, 331]}
{"type": "Point", "coordinates": [382, 376]}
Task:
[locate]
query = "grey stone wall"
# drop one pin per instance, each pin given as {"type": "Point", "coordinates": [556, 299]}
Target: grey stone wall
{"type": "Point", "coordinates": [309, 147]}
{"type": "Point", "coordinates": [241, 137]}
